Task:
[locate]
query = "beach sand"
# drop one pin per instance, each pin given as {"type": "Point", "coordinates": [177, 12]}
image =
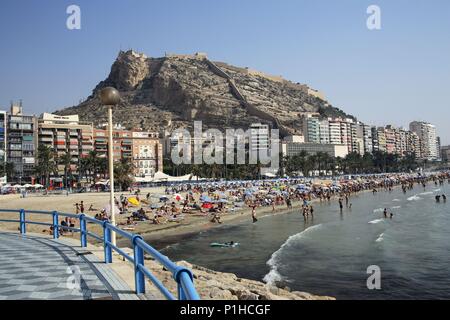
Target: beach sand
{"type": "Point", "coordinates": [191, 224]}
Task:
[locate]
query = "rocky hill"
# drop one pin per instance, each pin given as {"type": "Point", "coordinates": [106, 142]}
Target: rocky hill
{"type": "Point", "coordinates": [172, 91]}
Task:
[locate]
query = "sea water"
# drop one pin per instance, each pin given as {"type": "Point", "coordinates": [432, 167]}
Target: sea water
{"type": "Point", "coordinates": [330, 254]}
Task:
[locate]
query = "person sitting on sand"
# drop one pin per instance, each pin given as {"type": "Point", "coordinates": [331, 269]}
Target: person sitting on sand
{"type": "Point", "coordinates": [156, 220]}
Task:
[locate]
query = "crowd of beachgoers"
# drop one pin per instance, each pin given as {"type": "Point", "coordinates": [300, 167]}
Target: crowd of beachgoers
{"type": "Point", "coordinates": [213, 200]}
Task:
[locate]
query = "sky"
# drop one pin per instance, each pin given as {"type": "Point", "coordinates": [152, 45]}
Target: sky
{"type": "Point", "coordinates": [392, 76]}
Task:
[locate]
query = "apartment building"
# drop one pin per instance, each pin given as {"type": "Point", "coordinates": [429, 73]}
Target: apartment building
{"type": "Point", "coordinates": [21, 144]}
{"type": "Point", "coordinates": [66, 135]}
{"type": "Point", "coordinates": [428, 139]}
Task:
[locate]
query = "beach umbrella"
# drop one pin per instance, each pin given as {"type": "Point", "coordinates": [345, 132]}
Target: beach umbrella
{"type": "Point", "coordinates": [156, 205]}
{"type": "Point", "coordinates": [163, 198]}
{"type": "Point", "coordinates": [223, 200]}
{"type": "Point", "coordinates": [37, 186]}
{"type": "Point", "coordinates": [134, 201]}
{"type": "Point", "coordinates": [207, 205]}
{"type": "Point", "coordinates": [108, 209]}
{"type": "Point", "coordinates": [205, 199]}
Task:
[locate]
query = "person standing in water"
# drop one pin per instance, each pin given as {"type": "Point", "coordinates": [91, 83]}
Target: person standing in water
{"type": "Point", "coordinates": [341, 206]}
{"type": "Point", "coordinates": [254, 213]}
{"type": "Point", "coordinates": [385, 213]}
{"type": "Point", "coordinates": [444, 197]}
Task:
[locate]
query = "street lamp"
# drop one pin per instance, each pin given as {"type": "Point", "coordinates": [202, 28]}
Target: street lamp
{"type": "Point", "coordinates": [109, 97]}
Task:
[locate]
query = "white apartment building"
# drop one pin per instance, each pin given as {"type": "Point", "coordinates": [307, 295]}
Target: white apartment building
{"type": "Point", "coordinates": [428, 139]}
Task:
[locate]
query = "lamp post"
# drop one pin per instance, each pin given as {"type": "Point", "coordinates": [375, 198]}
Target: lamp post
{"type": "Point", "coordinates": [109, 97]}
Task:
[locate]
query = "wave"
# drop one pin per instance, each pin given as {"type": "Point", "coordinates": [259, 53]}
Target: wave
{"type": "Point", "coordinates": [380, 238]}
{"type": "Point", "coordinates": [414, 198]}
{"type": "Point", "coordinates": [425, 193]}
{"type": "Point", "coordinates": [396, 200]}
{"type": "Point", "coordinates": [376, 221]}
{"type": "Point", "coordinates": [437, 190]}
{"type": "Point", "coordinates": [378, 210]}
{"type": "Point", "coordinates": [396, 207]}
{"type": "Point", "coordinates": [274, 262]}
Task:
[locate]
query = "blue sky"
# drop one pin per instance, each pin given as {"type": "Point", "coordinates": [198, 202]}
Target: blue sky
{"type": "Point", "coordinates": [391, 76]}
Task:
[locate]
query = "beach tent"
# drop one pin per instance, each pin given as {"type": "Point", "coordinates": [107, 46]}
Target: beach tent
{"type": "Point", "coordinates": [17, 186]}
{"type": "Point", "coordinates": [37, 186]}
{"type": "Point", "coordinates": [28, 186]}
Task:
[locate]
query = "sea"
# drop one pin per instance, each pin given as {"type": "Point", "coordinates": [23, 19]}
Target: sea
{"type": "Point", "coordinates": [354, 254]}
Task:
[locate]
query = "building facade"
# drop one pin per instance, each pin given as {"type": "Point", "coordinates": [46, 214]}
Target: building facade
{"type": "Point", "coordinates": [428, 139]}
{"type": "Point", "coordinates": [21, 144]}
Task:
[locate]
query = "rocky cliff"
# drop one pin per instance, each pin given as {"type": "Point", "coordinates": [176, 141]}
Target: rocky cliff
{"type": "Point", "coordinates": [171, 92]}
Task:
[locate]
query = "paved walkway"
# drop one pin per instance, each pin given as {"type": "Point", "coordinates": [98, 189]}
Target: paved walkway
{"type": "Point", "coordinates": [35, 267]}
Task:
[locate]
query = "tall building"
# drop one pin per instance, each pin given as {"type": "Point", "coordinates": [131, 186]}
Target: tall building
{"type": "Point", "coordinates": [367, 137]}
{"type": "Point", "coordinates": [142, 148]}
{"type": "Point", "coordinates": [324, 131]}
{"type": "Point", "coordinates": [66, 135]}
{"type": "Point", "coordinates": [427, 137]}
{"type": "Point", "coordinates": [259, 137]}
{"type": "Point", "coordinates": [390, 136]}
{"type": "Point", "coordinates": [311, 128]}
{"type": "Point", "coordinates": [381, 138]}
{"type": "Point", "coordinates": [3, 159]}
{"type": "Point", "coordinates": [445, 153]}
{"type": "Point", "coordinates": [21, 142]}
{"type": "Point", "coordinates": [147, 153]}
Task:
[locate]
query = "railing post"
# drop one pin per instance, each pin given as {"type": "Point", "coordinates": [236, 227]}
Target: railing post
{"type": "Point", "coordinates": [139, 278]}
{"type": "Point", "coordinates": [23, 228]}
{"type": "Point", "coordinates": [106, 242]}
{"type": "Point", "coordinates": [181, 295]}
{"type": "Point", "coordinates": [177, 277]}
{"type": "Point", "coordinates": [55, 225]}
{"type": "Point", "coordinates": [83, 231]}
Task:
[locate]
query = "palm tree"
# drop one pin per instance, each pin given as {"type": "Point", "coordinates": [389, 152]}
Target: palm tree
{"type": "Point", "coordinates": [66, 161]}
{"type": "Point", "coordinates": [7, 170]}
{"type": "Point", "coordinates": [124, 173]}
{"type": "Point", "coordinates": [46, 164]}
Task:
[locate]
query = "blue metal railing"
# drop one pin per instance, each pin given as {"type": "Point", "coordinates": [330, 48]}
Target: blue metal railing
{"type": "Point", "coordinates": [183, 276]}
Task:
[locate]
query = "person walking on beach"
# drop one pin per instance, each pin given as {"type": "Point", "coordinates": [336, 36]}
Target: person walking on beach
{"type": "Point", "coordinates": [341, 206]}
{"type": "Point", "coordinates": [77, 208]}
{"type": "Point", "coordinates": [254, 213]}
{"type": "Point", "coordinates": [81, 207]}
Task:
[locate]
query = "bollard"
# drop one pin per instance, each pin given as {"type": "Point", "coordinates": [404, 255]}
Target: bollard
{"type": "Point", "coordinates": [83, 231]}
{"type": "Point", "coordinates": [106, 243]}
{"type": "Point", "coordinates": [55, 225]}
{"type": "Point", "coordinates": [139, 277]}
{"type": "Point", "coordinates": [23, 229]}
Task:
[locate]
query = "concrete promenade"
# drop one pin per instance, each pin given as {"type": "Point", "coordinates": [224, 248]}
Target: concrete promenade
{"type": "Point", "coordinates": [38, 267]}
